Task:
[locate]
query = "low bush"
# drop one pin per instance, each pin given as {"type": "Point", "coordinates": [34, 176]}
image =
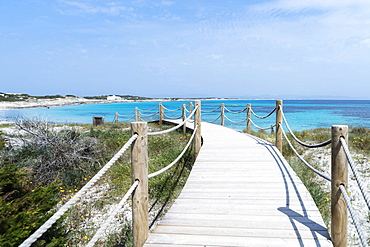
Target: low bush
{"type": "Point", "coordinates": [22, 208]}
{"type": "Point", "coordinates": [52, 162]}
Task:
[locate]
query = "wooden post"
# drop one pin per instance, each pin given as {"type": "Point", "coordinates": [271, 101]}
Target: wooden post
{"type": "Point", "coordinates": [249, 108]}
{"type": "Point", "coordinates": [116, 118]}
{"type": "Point", "coordinates": [137, 114]}
{"type": "Point", "coordinates": [183, 118]}
{"type": "Point", "coordinates": [222, 114]}
{"type": "Point", "coordinates": [191, 108]}
{"type": "Point", "coordinates": [139, 171]}
{"type": "Point", "coordinates": [339, 176]}
{"type": "Point", "coordinates": [161, 113]}
{"type": "Point", "coordinates": [279, 129]}
{"type": "Point", "coordinates": [197, 123]}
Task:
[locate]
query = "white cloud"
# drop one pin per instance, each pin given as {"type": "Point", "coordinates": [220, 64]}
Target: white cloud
{"type": "Point", "coordinates": [167, 3]}
{"type": "Point", "coordinates": [365, 42]}
{"type": "Point", "coordinates": [110, 8]}
{"type": "Point", "coordinates": [216, 56]}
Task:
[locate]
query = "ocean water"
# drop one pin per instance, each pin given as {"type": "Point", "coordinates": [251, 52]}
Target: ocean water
{"type": "Point", "coordinates": [301, 114]}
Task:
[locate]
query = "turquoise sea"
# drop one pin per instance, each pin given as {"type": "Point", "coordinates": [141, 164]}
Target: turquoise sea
{"type": "Point", "coordinates": [301, 114]}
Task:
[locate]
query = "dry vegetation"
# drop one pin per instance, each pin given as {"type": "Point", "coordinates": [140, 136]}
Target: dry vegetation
{"type": "Point", "coordinates": [44, 165]}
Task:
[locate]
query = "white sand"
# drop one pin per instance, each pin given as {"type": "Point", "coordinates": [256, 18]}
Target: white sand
{"type": "Point", "coordinates": [32, 103]}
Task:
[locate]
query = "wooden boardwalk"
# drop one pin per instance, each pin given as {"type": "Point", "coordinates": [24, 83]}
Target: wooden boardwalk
{"type": "Point", "coordinates": [241, 192]}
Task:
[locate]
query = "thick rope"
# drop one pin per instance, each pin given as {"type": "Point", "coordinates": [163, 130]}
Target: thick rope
{"type": "Point", "coordinates": [211, 110]}
{"type": "Point", "coordinates": [128, 120]}
{"type": "Point", "coordinates": [323, 144]}
{"type": "Point", "coordinates": [171, 109]}
{"type": "Point", "coordinates": [236, 122]}
{"type": "Point", "coordinates": [355, 172]}
{"type": "Point", "coordinates": [107, 222]}
{"type": "Point", "coordinates": [263, 116]}
{"type": "Point", "coordinates": [168, 117]}
{"type": "Point", "coordinates": [236, 112]}
{"type": "Point", "coordinates": [151, 115]}
{"type": "Point", "coordinates": [303, 160]}
{"type": "Point", "coordinates": [37, 234]}
{"type": "Point", "coordinates": [215, 119]}
{"type": "Point", "coordinates": [126, 114]}
{"type": "Point", "coordinates": [258, 127]}
{"type": "Point", "coordinates": [173, 128]}
{"type": "Point", "coordinates": [177, 159]}
{"type": "Point", "coordinates": [149, 109]}
{"type": "Point", "coordinates": [353, 215]}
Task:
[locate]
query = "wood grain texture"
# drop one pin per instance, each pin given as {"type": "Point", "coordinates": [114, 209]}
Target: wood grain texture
{"type": "Point", "coordinates": [139, 171]}
{"type": "Point", "coordinates": [241, 192]}
{"type": "Point", "coordinates": [339, 175]}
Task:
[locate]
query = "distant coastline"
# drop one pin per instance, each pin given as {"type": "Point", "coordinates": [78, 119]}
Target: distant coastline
{"type": "Point", "coordinates": [38, 103]}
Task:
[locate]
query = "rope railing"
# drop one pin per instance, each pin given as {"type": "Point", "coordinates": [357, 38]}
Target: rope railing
{"type": "Point", "coordinates": [211, 110]}
{"type": "Point", "coordinates": [235, 112]}
{"type": "Point", "coordinates": [339, 175]}
{"type": "Point", "coordinates": [172, 109]}
{"type": "Point", "coordinates": [38, 233]}
{"type": "Point", "coordinates": [178, 157]}
{"type": "Point", "coordinates": [116, 210]}
{"type": "Point", "coordinates": [126, 114]}
{"type": "Point", "coordinates": [236, 122]}
{"type": "Point", "coordinates": [281, 122]}
{"type": "Point", "coordinates": [168, 117]}
{"type": "Point", "coordinates": [149, 109]}
{"type": "Point", "coordinates": [303, 160]}
{"type": "Point", "coordinates": [323, 144]}
{"type": "Point", "coordinates": [215, 119]}
{"type": "Point", "coordinates": [175, 127]}
{"type": "Point", "coordinates": [150, 115]}
{"type": "Point", "coordinates": [354, 216]}
{"type": "Point", "coordinates": [357, 176]}
{"type": "Point", "coordinates": [131, 118]}
{"type": "Point", "coordinates": [140, 170]}
{"type": "Point", "coordinates": [263, 116]}
{"type": "Point", "coordinates": [258, 127]}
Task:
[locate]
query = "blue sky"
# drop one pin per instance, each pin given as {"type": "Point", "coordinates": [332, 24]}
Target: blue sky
{"type": "Point", "coordinates": [167, 48]}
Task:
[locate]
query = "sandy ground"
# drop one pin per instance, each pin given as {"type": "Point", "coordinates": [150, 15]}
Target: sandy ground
{"type": "Point", "coordinates": [35, 103]}
{"type": "Point", "coordinates": [51, 102]}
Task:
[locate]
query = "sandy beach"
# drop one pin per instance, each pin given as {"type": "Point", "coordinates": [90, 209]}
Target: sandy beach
{"type": "Point", "coordinates": [4, 105]}
{"type": "Point", "coordinates": [33, 103]}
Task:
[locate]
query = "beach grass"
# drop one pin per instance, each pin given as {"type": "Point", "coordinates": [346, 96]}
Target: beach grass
{"type": "Point", "coordinates": [79, 223]}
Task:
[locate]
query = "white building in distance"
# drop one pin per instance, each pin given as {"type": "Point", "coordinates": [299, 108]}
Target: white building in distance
{"type": "Point", "coordinates": [113, 97]}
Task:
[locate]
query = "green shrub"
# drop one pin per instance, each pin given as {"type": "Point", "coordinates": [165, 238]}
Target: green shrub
{"type": "Point", "coordinates": [43, 147]}
{"type": "Point", "coordinates": [22, 209]}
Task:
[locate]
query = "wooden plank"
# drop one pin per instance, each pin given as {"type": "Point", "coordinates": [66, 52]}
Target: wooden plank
{"type": "Point", "coordinates": [239, 232]}
{"type": "Point", "coordinates": [207, 240]}
{"type": "Point", "coordinates": [241, 192]}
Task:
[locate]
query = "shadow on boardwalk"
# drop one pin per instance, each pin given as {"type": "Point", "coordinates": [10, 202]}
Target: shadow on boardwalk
{"type": "Point", "coordinates": [241, 192]}
{"type": "Point", "coordinates": [294, 217]}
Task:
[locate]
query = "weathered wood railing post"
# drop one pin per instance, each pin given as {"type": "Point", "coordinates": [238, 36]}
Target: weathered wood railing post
{"type": "Point", "coordinates": [222, 114]}
{"type": "Point", "coordinates": [139, 171]}
{"type": "Point", "coordinates": [137, 114]}
{"type": "Point", "coordinates": [116, 118]}
{"type": "Point", "coordinates": [161, 113]}
{"type": "Point", "coordinates": [197, 123]}
{"type": "Point", "coordinates": [249, 108]}
{"type": "Point", "coordinates": [191, 108]}
{"type": "Point", "coordinates": [279, 129]}
{"type": "Point", "coordinates": [184, 117]}
{"type": "Point", "coordinates": [339, 176]}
